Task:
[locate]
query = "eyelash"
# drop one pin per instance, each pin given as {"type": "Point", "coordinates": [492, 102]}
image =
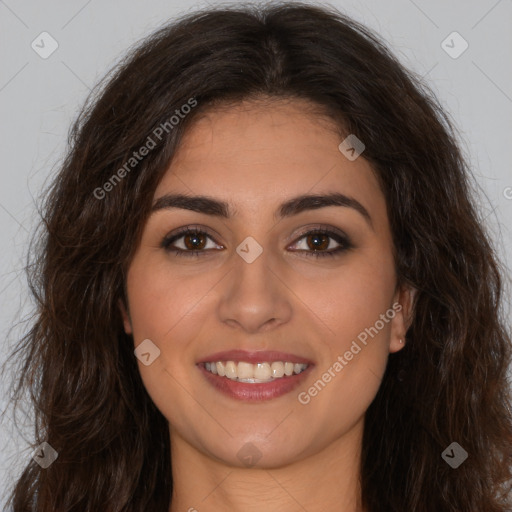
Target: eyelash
{"type": "Point", "coordinates": [343, 240]}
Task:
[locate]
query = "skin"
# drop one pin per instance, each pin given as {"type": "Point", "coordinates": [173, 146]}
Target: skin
{"type": "Point", "coordinates": [255, 155]}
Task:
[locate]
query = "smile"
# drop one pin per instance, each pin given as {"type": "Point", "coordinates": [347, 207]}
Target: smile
{"type": "Point", "coordinates": [255, 373]}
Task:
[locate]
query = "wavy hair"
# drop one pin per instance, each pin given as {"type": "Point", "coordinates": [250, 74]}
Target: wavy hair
{"type": "Point", "coordinates": [449, 383]}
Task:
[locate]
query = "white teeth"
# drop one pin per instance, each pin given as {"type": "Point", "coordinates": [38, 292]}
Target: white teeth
{"type": "Point", "coordinates": [277, 369]}
{"type": "Point", "coordinates": [262, 371]}
{"type": "Point", "coordinates": [253, 373]}
{"type": "Point", "coordinates": [245, 370]}
{"type": "Point", "coordinates": [230, 370]}
{"type": "Point", "coordinates": [288, 368]}
{"type": "Point", "coordinates": [220, 369]}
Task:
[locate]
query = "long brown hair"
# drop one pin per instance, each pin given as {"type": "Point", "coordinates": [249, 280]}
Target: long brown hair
{"type": "Point", "coordinates": [447, 385]}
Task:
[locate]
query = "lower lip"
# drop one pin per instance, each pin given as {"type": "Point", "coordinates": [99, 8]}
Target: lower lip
{"type": "Point", "coordinates": [255, 392]}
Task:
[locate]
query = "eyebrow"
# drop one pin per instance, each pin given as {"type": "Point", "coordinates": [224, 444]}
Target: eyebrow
{"type": "Point", "coordinates": [215, 207]}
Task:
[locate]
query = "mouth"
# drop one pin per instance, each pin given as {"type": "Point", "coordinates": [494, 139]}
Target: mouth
{"type": "Point", "coordinates": [254, 376]}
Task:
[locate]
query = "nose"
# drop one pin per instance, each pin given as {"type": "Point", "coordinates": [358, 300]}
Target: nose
{"type": "Point", "coordinates": [254, 296]}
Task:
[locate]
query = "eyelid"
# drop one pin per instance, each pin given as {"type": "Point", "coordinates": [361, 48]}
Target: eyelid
{"type": "Point", "coordinates": [332, 232]}
{"type": "Point", "coordinates": [293, 237]}
{"type": "Point", "coordinates": [337, 235]}
{"type": "Point", "coordinates": [326, 227]}
{"type": "Point", "coordinates": [191, 227]}
{"type": "Point", "coordinates": [185, 230]}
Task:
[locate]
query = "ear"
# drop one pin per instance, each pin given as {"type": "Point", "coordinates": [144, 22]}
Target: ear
{"type": "Point", "coordinates": [127, 323]}
{"type": "Point", "coordinates": [403, 306]}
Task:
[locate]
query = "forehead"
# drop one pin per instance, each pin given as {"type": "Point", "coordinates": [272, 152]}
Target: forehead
{"type": "Point", "coordinates": [256, 154]}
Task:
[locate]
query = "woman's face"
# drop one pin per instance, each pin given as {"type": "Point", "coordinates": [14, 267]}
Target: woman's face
{"type": "Point", "coordinates": [263, 289]}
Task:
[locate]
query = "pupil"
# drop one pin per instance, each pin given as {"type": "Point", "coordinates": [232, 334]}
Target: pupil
{"type": "Point", "coordinates": [196, 241]}
{"type": "Point", "coordinates": [317, 242]}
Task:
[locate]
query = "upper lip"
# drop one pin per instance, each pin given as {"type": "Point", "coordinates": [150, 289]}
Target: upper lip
{"type": "Point", "coordinates": [254, 356]}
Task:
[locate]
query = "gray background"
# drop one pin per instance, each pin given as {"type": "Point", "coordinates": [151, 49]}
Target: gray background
{"type": "Point", "coordinates": [39, 98]}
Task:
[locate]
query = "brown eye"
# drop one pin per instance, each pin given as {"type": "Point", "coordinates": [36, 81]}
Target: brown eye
{"type": "Point", "coordinates": [322, 242]}
{"type": "Point", "coordinates": [317, 241]}
{"type": "Point", "coordinates": [194, 241]}
{"type": "Point", "coordinates": [189, 242]}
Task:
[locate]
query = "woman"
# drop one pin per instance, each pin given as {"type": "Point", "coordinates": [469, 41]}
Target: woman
{"type": "Point", "coordinates": [263, 284]}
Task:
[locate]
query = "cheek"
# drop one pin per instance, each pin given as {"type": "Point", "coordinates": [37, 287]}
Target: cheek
{"type": "Point", "coordinates": [164, 308]}
{"type": "Point", "coordinates": [350, 299]}
{"type": "Point", "coordinates": [347, 308]}
{"type": "Point", "coordinates": [159, 304]}
{"type": "Point", "coordinates": [161, 301]}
